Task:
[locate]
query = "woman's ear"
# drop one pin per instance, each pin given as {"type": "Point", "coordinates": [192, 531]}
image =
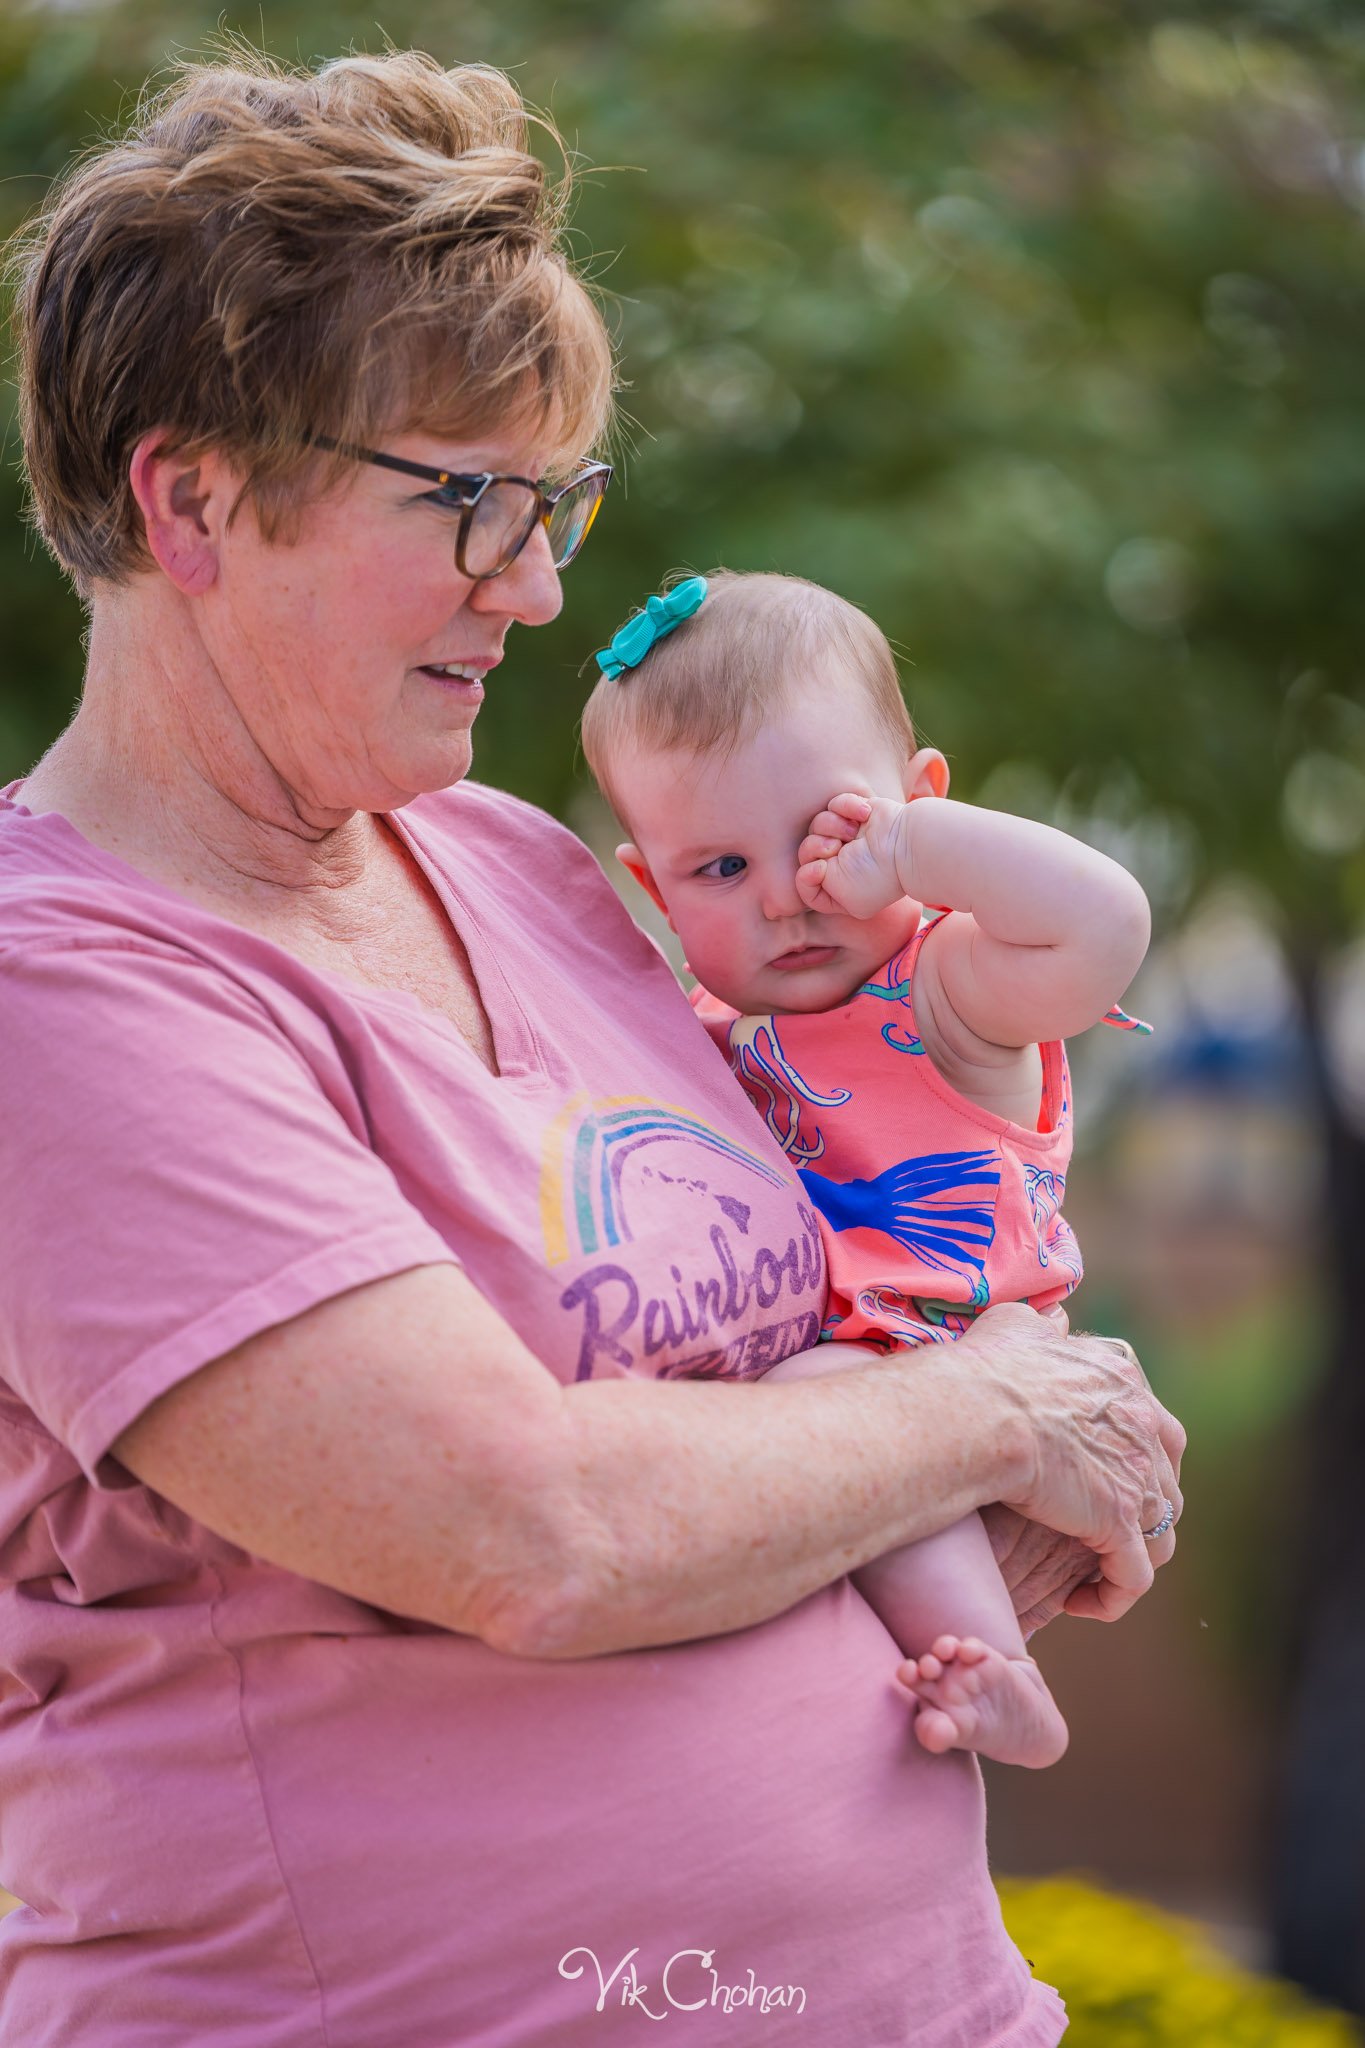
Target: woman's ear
{"type": "Point", "coordinates": [926, 774]}
{"type": "Point", "coordinates": [185, 502]}
{"type": "Point", "coordinates": [635, 864]}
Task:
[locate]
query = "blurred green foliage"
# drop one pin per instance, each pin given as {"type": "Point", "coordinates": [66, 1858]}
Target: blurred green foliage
{"type": "Point", "coordinates": [1036, 329]}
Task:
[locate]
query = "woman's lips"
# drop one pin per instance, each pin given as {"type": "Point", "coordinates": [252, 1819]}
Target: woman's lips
{"type": "Point", "coordinates": [468, 688]}
{"type": "Point", "coordinates": [803, 956]}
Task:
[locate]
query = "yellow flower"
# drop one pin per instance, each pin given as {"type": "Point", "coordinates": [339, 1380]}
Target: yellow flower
{"type": "Point", "coordinates": [1136, 1978]}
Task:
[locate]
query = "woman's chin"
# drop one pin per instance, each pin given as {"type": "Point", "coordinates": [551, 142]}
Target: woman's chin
{"type": "Point", "coordinates": [457, 758]}
{"type": "Point", "coordinates": [396, 783]}
{"type": "Point", "coordinates": [436, 767]}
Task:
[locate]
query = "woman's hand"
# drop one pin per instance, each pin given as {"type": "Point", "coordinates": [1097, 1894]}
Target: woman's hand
{"type": "Point", "coordinates": [1104, 1458]}
{"type": "Point", "coordinates": [1040, 1568]}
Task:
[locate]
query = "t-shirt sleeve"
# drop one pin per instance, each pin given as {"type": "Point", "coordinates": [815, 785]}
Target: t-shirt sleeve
{"type": "Point", "coordinates": [175, 1176]}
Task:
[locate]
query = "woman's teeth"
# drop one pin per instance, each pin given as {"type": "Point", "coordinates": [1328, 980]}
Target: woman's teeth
{"type": "Point", "coordinates": [455, 668]}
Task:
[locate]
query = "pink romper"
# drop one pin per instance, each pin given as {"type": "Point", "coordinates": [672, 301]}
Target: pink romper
{"type": "Point", "coordinates": [930, 1207]}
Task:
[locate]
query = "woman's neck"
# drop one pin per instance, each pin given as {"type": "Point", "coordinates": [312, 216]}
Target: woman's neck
{"type": "Point", "coordinates": [158, 768]}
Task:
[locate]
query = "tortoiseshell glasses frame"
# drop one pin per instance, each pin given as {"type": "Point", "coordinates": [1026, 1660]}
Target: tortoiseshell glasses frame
{"type": "Point", "coordinates": [497, 513]}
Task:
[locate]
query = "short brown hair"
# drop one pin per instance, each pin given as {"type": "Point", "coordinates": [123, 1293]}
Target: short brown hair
{"type": "Point", "coordinates": [721, 673]}
{"type": "Point", "coordinates": [271, 252]}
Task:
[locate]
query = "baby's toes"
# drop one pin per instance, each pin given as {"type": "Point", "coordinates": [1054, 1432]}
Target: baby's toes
{"type": "Point", "coordinates": [958, 1687]}
{"type": "Point", "coordinates": [946, 1648]}
{"type": "Point", "coordinates": [971, 1650]}
{"type": "Point", "coordinates": [936, 1731]}
{"type": "Point", "coordinates": [911, 1675]}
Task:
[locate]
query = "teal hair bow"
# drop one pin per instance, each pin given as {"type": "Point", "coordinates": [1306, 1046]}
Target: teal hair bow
{"type": "Point", "coordinates": [632, 642]}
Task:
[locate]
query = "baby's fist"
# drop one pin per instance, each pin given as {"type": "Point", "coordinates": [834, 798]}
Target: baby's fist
{"type": "Point", "coordinates": [847, 861]}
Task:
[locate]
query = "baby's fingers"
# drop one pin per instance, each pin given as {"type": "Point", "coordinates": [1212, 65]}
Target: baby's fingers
{"type": "Point", "coordinates": [832, 824]}
{"type": "Point", "coordinates": [848, 809]}
{"type": "Point", "coordinates": [810, 885]}
{"type": "Point", "coordinates": [816, 846]}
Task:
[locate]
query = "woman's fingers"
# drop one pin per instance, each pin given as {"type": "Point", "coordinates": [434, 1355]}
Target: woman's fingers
{"type": "Point", "coordinates": [1039, 1567]}
{"type": "Point", "coordinates": [1041, 1613]}
{"type": "Point", "coordinates": [1169, 1449]}
{"type": "Point", "coordinates": [1105, 1457]}
{"type": "Point", "coordinates": [1125, 1574]}
{"type": "Point", "coordinates": [1170, 1433]}
{"type": "Point", "coordinates": [1108, 1489]}
{"type": "Point", "coordinates": [1174, 1438]}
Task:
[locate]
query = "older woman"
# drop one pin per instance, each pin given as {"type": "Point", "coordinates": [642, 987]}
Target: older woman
{"type": "Point", "coordinates": [417, 1630]}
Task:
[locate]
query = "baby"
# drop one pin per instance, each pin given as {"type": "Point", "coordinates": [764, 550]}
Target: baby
{"type": "Point", "coordinates": [891, 976]}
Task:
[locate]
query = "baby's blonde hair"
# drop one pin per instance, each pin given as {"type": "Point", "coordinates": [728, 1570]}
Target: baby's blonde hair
{"type": "Point", "coordinates": [722, 673]}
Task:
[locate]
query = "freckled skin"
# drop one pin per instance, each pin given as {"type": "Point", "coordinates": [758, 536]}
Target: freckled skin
{"type": "Point", "coordinates": [247, 710]}
{"type": "Point", "coordinates": [323, 642]}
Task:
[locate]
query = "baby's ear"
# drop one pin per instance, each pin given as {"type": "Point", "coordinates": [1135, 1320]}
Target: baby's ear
{"type": "Point", "coordinates": [926, 774]}
{"type": "Point", "coordinates": [635, 865]}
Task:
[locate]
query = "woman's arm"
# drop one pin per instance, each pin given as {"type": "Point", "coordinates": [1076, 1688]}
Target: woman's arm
{"type": "Point", "coordinates": [400, 1444]}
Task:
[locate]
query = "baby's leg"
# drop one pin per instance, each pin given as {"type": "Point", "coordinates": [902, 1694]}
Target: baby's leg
{"type": "Point", "coordinates": [946, 1605]}
{"type": "Point", "coordinates": [976, 1684]}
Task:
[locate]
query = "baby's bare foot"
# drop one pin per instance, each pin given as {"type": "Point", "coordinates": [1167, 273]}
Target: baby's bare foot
{"type": "Point", "coordinates": [973, 1697]}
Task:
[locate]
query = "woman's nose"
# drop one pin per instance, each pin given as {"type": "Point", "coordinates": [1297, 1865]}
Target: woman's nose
{"type": "Point", "coordinates": [529, 590]}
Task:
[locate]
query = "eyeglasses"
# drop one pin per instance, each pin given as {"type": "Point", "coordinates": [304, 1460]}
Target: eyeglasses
{"type": "Point", "coordinates": [498, 514]}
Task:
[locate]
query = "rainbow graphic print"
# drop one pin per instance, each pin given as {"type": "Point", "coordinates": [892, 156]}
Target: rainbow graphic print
{"type": "Point", "coordinates": [741, 1281]}
{"type": "Point", "coordinates": [590, 1152]}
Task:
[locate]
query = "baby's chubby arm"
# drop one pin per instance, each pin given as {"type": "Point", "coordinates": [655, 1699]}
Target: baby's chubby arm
{"type": "Point", "coordinates": [1050, 932]}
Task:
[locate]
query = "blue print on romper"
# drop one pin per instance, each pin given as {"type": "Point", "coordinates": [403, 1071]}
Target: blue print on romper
{"type": "Point", "coordinates": [918, 1203]}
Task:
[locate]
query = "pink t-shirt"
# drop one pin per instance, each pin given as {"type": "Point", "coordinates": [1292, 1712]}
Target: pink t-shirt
{"type": "Point", "coordinates": [248, 1812]}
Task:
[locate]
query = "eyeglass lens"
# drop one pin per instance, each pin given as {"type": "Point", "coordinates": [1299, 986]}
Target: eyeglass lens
{"type": "Point", "coordinates": [505, 517]}
{"type": "Point", "coordinates": [569, 520]}
{"type": "Point", "coordinates": [501, 523]}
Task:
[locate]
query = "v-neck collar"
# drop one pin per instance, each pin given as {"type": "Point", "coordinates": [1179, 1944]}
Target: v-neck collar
{"type": "Point", "coordinates": [517, 1050]}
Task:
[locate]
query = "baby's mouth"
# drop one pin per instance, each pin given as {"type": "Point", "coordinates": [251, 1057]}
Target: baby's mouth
{"type": "Point", "coordinates": [804, 956]}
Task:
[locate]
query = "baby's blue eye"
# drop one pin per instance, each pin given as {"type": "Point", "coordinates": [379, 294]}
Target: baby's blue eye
{"type": "Point", "coordinates": [725, 866]}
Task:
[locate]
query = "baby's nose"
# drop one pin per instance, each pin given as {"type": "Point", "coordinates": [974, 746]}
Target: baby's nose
{"type": "Point", "coordinates": [779, 895]}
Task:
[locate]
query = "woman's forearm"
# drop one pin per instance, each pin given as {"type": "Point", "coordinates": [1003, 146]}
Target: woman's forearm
{"type": "Point", "coordinates": [699, 1507]}
{"type": "Point", "coordinates": [703, 1507]}
{"type": "Point", "coordinates": [400, 1444]}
